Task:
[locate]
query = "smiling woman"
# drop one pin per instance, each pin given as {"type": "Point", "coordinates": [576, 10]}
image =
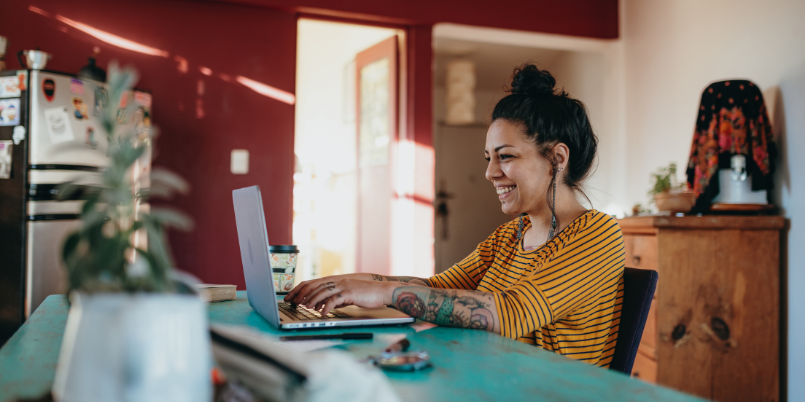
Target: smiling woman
{"type": "Point", "coordinates": [553, 277]}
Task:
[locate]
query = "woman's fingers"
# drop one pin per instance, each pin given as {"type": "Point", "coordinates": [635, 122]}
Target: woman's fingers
{"type": "Point", "coordinates": [295, 291]}
{"type": "Point", "coordinates": [302, 291]}
{"type": "Point", "coordinates": [313, 291]}
{"type": "Point", "coordinates": [336, 300]}
{"type": "Point", "coordinates": [320, 294]}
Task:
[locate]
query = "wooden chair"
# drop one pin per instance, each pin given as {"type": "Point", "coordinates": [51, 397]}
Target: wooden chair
{"type": "Point", "coordinates": [639, 286]}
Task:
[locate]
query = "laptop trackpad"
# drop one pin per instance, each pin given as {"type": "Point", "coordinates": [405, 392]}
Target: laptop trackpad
{"type": "Point", "coordinates": [380, 312]}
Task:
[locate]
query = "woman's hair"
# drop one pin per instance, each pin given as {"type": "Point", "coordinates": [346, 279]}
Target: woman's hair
{"type": "Point", "coordinates": [549, 116]}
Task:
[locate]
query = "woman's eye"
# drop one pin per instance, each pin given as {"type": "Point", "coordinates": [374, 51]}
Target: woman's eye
{"type": "Point", "coordinates": [503, 157]}
{"type": "Point", "coordinates": [487, 158]}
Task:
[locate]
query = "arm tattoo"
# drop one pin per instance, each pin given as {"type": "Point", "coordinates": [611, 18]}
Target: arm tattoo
{"type": "Point", "coordinates": [448, 307]}
{"type": "Point", "coordinates": [405, 279]}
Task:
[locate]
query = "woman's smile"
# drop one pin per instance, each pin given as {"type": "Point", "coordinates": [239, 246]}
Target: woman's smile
{"type": "Point", "coordinates": [504, 191]}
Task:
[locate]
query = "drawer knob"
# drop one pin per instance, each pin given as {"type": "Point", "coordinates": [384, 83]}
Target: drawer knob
{"type": "Point", "coordinates": [679, 332]}
{"type": "Point", "coordinates": [636, 260]}
{"type": "Point", "coordinates": [721, 328]}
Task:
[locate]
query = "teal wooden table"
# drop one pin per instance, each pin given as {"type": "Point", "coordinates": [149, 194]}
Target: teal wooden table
{"type": "Point", "coordinates": [468, 365]}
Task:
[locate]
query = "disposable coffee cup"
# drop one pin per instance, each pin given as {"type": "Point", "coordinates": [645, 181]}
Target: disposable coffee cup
{"type": "Point", "coordinates": [283, 267]}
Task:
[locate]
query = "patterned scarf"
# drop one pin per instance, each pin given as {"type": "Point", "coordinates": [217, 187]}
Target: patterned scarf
{"type": "Point", "coordinates": [732, 120]}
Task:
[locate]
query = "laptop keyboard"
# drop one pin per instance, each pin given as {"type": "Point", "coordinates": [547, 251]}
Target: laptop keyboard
{"type": "Point", "coordinates": [305, 314]}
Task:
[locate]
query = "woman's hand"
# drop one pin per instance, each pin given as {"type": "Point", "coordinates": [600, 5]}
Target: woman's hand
{"type": "Point", "coordinates": [327, 293]}
{"type": "Point", "coordinates": [317, 282]}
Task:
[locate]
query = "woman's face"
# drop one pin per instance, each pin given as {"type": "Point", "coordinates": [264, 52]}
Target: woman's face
{"type": "Point", "coordinates": [519, 173]}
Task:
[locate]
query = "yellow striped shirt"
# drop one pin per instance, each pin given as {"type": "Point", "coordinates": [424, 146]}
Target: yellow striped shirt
{"type": "Point", "coordinates": [564, 296]}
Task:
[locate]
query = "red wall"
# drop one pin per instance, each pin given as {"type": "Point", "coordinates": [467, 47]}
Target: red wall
{"type": "Point", "coordinates": [590, 18]}
{"type": "Point", "coordinates": [257, 43]}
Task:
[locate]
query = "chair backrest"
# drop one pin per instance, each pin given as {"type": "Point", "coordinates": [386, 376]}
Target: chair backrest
{"type": "Point", "coordinates": [638, 290]}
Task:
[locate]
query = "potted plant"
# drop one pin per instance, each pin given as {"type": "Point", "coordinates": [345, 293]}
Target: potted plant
{"type": "Point", "coordinates": [129, 336]}
{"type": "Point", "coordinates": [668, 194]}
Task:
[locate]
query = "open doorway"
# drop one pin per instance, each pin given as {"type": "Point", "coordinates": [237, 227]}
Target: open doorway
{"type": "Point", "coordinates": [347, 115]}
{"type": "Point", "coordinates": [467, 208]}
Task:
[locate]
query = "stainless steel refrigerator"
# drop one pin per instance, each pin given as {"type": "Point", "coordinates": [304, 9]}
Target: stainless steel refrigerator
{"type": "Point", "coordinates": [50, 133]}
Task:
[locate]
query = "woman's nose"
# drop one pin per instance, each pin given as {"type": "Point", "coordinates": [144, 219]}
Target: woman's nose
{"type": "Point", "coordinates": [493, 170]}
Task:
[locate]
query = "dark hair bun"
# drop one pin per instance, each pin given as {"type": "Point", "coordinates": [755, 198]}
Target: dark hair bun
{"type": "Point", "coordinates": [529, 80]}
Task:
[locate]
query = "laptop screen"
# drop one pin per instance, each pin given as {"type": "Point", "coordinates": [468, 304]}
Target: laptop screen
{"type": "Point", "coordinates": [253, 239]}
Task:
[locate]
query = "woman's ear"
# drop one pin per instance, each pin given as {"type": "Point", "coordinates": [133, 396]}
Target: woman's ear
{"type": "Point", "coordinates": [561, 155]}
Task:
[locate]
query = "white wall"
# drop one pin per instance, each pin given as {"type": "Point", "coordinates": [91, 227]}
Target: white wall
{"type": "Point", "coordinates": [581, 74]}
{"type": "Point", "coordinates": [673, 50]}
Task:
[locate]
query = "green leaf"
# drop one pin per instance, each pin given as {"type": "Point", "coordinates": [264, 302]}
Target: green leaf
{"type": "Point", "coordinates": [171, 218]}
{"type": "Point", "coordinates": [156, 247]}
{"type": "Point", "coordinates": [70, 245]}
{"type": "Point", "coordinates": [128, 155]}
{"type": "Point", "coordinates": [161, 177]}
{"type": "Point", "coordinates": [91, 201]}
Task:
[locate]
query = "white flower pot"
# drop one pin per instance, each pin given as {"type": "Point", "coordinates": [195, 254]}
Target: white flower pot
{"type": "Point", "coordinates": [135, 347]}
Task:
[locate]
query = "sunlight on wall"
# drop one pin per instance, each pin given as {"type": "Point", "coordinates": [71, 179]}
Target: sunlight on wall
{"type": "Point", "coordinates": [325, 144]}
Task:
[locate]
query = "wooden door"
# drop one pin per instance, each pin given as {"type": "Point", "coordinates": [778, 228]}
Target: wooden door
{"type": "Point", "coordinates": [377, 91]}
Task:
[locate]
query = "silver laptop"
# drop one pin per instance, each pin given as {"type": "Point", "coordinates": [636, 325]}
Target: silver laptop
{"type": "Point", "coordinates": [253, 238]}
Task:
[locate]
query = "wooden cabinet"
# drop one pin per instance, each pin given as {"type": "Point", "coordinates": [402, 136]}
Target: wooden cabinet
{"type": "Point", "coordinates": [713, 327]}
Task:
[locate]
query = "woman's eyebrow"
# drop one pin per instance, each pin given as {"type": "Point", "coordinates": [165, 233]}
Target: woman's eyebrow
{"type": "Point", "coordinates": [498, 148]}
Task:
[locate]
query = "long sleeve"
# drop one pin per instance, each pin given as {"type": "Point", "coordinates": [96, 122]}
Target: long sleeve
{"type": "Point", "coordinates": [468, 273]}
{"type": "Point", "coordinates": [585, 271]}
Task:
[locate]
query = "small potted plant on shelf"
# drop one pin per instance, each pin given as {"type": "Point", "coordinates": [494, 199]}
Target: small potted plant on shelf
{"type": "Point", "coordinates": [668, 194]}
{"type": "Point", "coordinates": [130, 335]}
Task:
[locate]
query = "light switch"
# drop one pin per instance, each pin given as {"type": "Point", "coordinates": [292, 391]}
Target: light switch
{"type": "Point", "coordinates": [240, 161]}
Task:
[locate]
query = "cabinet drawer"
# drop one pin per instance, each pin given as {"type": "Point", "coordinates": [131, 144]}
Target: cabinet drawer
{"type": "Point", "coordinates": [644, 368]}
{"type": "Point", "coordinates": [641, 251]}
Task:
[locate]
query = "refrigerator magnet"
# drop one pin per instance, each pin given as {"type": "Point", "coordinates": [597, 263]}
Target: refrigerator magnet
{"type": "Point", "coordinates": [49, 88]}
{"type": "Point", "coordinates": [80, 107]}
{"type": "Point", "coordinates": [142, 99]}
{"type": "Point", "coordinates": [9, 87]}
{"type": "Point", "coordinates": [57, 121]}
{"type": "Point", "coordinates": [101, 98]}
{"type": "Point", "coordinates": [5, 159]}
{"type": "Point", "coordinates": [122, 116]}
{"type": "Point", "coordinates": [19, 134]}
{"type": "Point", "coordinates": [76, 86]}
{"type": "Point", "coordinates": [22, 75]}
{"type": "Point", "coordinates": [9, 112]}
{"type": "Point", "coordinates": [90, 138]}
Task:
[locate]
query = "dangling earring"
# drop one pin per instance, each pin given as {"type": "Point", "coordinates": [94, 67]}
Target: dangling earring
{"type": "Point", "coordinates": [553, 206]}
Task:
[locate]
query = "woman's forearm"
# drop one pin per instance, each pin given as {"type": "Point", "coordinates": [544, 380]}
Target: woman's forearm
{"type": "Point", "coordinates": [448, 307]}
{"type": "Point", "coordinates": [404, 279]}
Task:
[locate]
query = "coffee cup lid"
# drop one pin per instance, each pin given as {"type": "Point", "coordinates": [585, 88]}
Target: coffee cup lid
{"type": "Point", "coordinates": [283, 249]}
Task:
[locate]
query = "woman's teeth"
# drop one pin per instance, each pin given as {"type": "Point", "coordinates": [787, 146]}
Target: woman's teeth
{"type": "Point", "coordinates": [504, 190]}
